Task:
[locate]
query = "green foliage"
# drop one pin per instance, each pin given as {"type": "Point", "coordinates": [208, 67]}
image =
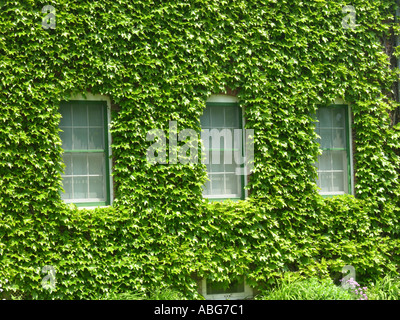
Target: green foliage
{"type": "Point", "coordinates": [306, 289]}
{"type": "Point", "coordinates": [386, 288]}
{"type": "Point", "coordinates": [158, 62]}
{"type": "Point", "coordinates": [156, 294]}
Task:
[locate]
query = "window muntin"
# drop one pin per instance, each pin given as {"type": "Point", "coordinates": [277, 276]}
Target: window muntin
{"type": "Point", "coordinates": [84, 140]}
{"type": "Point", "coordinates": [223, 180]}
{"type": "Point", "coordinates": [333, 165]}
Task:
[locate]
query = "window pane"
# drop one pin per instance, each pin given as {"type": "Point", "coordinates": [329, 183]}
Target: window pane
{"type": "Point", "coordinates": [96, 138]}
{"type": "Point", "coordinates": [83, 128]}
{"type": "Point", "coordinates": [339, 160]}
{"type": "Point", "coordinates": [326, 138]}
{"type": "Point", "coordinates": [205, 118]}
{"type": "Point", "coordinates": [66, 117]}
{"type": "Point", "coordinates": [96, 163]}
{"type": "Point", "coordinates": [338, 181]}
{"type": "Point", "coordinates": [216, 157]}
{"type": "Point", "coordinates": [324, 117]}
{"type": "Point", "coordinates": [80, 115]}
{"type": "Point", "coordinates": [217, 184]}
{"type": "Point", "coordinates": [79, 164]}
{"type": "Point", "coordinates": [326, 181]}
{"type": "Point", "coordinates": [206, 188]}
{"type": "Point", "coordinates": [96, 116]}
{"type": "Point", "coordinates": [221, 157]}
{"type": "Point", "coordinates": [219, 288]}
{"type": "Point", "coordinates": [217, 167]}
{"type": "Point", "coordinates": [68, 164]}
{"type": "Point", "coordinates": [217, 117]}
{"type": "Point", "coordinates": [232, 184]}
{"type": "Point", "coordinates": [338, 117]}
{"type": "Point", "coordinates": [231, 117]}
{"type": "Point", "coordinates": [96, 187]}
{"type": "Point", "coordinates": [324, 161]}
{"type": "Point", "coordinates": [339, 138]}
{"type": "Point", "coordinates": [80, 138]}
{"type": "Point", "coordinates": [80, 187]}
{"type": "Point", "coordinates": [66, 138]}
{"type": "Point", "coordinates": [231, 168]}
{"type": "Point", "coordinates": [67, 186]}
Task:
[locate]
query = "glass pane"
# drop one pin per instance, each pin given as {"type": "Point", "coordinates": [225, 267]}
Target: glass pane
{"type": "Point", "coordinates": [324, 117]}
{"type": "Point", "coordinates": [326, 138]}
{"type": "Point", "coordinates": [96, 187]}
{"type": "Point", "coordinates": [219, 288]}
{"type": "Point", "coordinates": [339, 138]}
{"type": "Point", "coordinates": [206, 188]}
{"type": "Point", "coordinates": [66, 117]}
{"type": "Point", "coordinates": [67, 186]}
{"type": "Point", "coordinates": [339, 160]}
{"type": "Point", "coordinates": [217, 117]}
{"type": "Point", "coordinates": [96, 116]}
{"type": "Point", "coordinates": [68, 164]}
{"type": "Point", "coordinates": [79, 112]}
{"type": "Point", "coordinates": [326, 181]}
{"type": "Point", "coordinates": [231, 168]}
{"type": "Point", "coordinates": [79, 164]}
{"type": "Point", "coordinates": [231, 117]}
{"type": "Point", "coordinates": [217, 167]}
{"type": "Point", "coordinates": [221, 139]}
{"type": "Point", "coordinates": [338, 117]}
{"type": "Point", "coordinates": [232, 184]}
{"type": "Point", "coordinates": [96, 138]}
{"type": "Point", "coordinates": [96, 163]}
{"type": "Point", "coordinates": [217, 185]}
{"type": "Point", "coordinates": [80, 138]}
{"type": "Point", "coordinates": [66, 138]}
{"type": "Point", "coordinates": [216, 157]}
{"type": "Point", "coordinates": [80, 187]}
{"type": "Point", "coordinates": [338, 181]}
{"type": "Point", "coordinates": [205, 118]}
{"type": "Point", "coordinates": [324, 161]}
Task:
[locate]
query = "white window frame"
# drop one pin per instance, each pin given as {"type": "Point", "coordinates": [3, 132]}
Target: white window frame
{"type": "Point", "coordinates": [340, 101]}
{"type": "Point", "coordinates": [98, 97]}
{"type": "Point", "coordinates": [224, 98]}
{"type": "Point", "coordinates": [246, 294]}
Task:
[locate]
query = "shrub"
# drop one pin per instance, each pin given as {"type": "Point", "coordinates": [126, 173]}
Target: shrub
{"type": "Point", "coordinates": [387, 288]}
{"type": "Point", "coordinates": [157, 294]}
{"type": "Point", "coordinates": [306, 289]}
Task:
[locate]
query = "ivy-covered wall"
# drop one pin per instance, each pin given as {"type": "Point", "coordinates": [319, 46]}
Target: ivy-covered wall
{"type": "Point", "coordinates": [158, 62]}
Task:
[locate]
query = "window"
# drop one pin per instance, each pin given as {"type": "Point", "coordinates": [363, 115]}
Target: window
{"type": "Point", "coordinates": [237, 289]}
{"type": "Point", "coordinates": [85, 142]}
{"type": "Point", "coordinates": [333, 165]}
{"type": "Point", "coordinates": [220, 121]}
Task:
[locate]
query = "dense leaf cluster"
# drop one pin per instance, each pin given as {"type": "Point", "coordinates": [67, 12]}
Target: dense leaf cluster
{"type": "Point", "coordinates": [158, 61]}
